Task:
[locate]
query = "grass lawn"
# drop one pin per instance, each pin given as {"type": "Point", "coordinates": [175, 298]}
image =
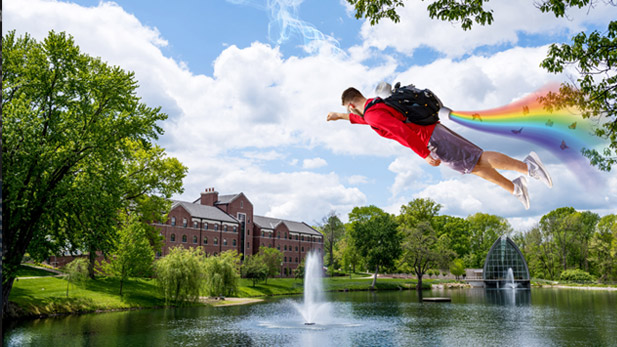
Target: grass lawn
{"type": "Point", "coordinates": [47, 295]}
{"type": "Point", "coordinates": [29, 271]}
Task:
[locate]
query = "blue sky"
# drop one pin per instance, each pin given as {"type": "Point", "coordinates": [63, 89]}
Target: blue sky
{"type": "Point", "coordinates": [247, 86]}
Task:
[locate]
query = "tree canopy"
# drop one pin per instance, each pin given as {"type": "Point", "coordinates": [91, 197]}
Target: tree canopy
{"type": "Point", "coordinates": [78, 148]}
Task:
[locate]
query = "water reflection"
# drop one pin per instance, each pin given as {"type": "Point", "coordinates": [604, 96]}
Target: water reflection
{"type": "Point", "coordinates": [518, 297]}
{"type": "Point", "coordinates": [537, 317]}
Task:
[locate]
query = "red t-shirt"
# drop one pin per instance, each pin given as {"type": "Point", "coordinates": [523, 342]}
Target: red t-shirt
{"type": "Point", "coordinates": [388, 123]}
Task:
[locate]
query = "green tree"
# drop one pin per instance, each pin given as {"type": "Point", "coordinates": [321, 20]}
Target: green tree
{"type": "Point", "coordinates": [255, 268]}
{"type": "Point", "coordinates": [132, 255]}
{"type": "Point", "coordinates": [180, 274]}
{"type": "Point", "coordinates": [595, 90]}
{"type": "Point", "coordinates": [347, 252]}
{"type": "Point", "coordinates": [485, 229]}
{"type": "Point", "coordinates": [332, 229]}
{"type": "Point", "coordinates": [422, 248]}
{"type": "Point", "coordinates": [603, 248]}
{"type": "Point", "coordinates": [273, 258]}
{"type": "Point", "coordinates": [221, 273]}
{"type": "Point", "coordinates": [457, 268]}
{"type": "Point", "coordinates": [375, 236]}
{"type": "Point", "coordinates": [71, 126]}
{"type": "Point", "coordinates": [458, 231]}
{"type": "Point", "coordinates": [76, 273]}
{"type": "Point", "coordinates": [560, 227]}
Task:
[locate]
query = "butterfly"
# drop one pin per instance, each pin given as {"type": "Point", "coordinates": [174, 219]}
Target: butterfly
{"type": "Point", "coordinates": [517, 131]}
{"type": "Point", "coordinates": [563, 145]}
{"type": "Point", "coordinates": [572, 126]}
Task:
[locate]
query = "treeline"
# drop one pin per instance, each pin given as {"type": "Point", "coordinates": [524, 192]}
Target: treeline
{"type": "Point", "coordinates": [419, 239]}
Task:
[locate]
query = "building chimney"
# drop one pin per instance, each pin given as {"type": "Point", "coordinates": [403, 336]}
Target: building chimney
{"type": "Point", "coordinates": [209, 197]}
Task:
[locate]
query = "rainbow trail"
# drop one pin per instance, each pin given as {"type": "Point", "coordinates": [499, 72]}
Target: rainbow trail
{"type": "Point", "coordinates": [562, 132]}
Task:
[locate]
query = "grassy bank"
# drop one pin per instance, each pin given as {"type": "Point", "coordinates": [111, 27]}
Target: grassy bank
{"type": "Point", "coordinates": [44, 295]}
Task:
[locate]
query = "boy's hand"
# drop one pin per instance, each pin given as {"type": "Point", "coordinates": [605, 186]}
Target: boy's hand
{"type": "Point", "coordinates": [432, 161]}
{"type": "Point", "coordinates": [337, 116]}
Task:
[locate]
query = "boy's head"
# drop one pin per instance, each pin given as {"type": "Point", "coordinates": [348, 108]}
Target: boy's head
{"type": "Point", "coordinates": [353, 100]}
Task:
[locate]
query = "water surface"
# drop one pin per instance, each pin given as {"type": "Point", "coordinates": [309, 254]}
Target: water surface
{"type": "Point", "coordinates": [540, 317]}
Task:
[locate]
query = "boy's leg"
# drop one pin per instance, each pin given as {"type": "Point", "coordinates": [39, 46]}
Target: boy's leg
{"type": "Point", "coordinates": [501, 161]}
{"type": "Point", "coordinates": [485, 170]}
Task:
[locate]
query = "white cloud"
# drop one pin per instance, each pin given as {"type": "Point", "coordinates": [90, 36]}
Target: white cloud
{"type": "Point", "coordinates": [511, 18]}
{"type": "Point", "coordinates": [355, 180]}
{"type": "Point", "coordinates": [260, 104]}
{"type": "Point", "coordinates": [313, 163]}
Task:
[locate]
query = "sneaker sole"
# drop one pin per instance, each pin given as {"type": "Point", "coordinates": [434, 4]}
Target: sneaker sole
{"type": "Point", "coordinates": [539, 162]}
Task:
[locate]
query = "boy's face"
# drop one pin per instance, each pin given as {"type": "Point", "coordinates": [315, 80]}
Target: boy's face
{"type": "Point", "coordinates": [351, 107]}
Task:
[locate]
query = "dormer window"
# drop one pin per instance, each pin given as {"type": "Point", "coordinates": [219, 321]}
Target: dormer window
{"type": "Point", "coordinates": [241, 204]}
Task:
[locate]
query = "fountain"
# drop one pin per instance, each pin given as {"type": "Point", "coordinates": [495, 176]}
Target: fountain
{"type": "Point", "coordinates": [314, 307]}
{"type": "Point", "coordinates": [510, 284]}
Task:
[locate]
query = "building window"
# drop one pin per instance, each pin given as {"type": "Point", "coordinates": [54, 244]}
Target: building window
{"type": "Point", "coordinates": [205, 226]}
{"type": "Point", "coordinates": [216, 227]}
{"type": "Point", "coordinates": [172, 238]}
{"type": "Point", "coordinates": [302, 248]}
{"type": "Point", "coordinates": [173, 220]}
{"type": "Point", "coordinates": [216, 241]}
{"type": "Point", "coordinates": [248, 245]}
{"type": "Point", "coordinates": [185, 222]}
{"type": "Point", "coordinates": [278, 247]}
{"type": "Point", "coordinates": [285, 259]}
{"type": "Point", "coordinates": [205, 240]}
{"type": "Point", "coordinates": [285, 247]}
{"type": "Point", "coordinates": [224, 242]}
{"type": "Point", "coordinates": [296, 248]}
{"type": "Point", "coordinates": [241, 204]}
{"type": "Point", "coordinates": [302, 238]}
{"type": "Point", "coordinates": [194, 239]}
{"type": "Point", "coordinates": [225, 228]}
{"type": "Point", "coordinates": [296, 237]}
{"type": "Point", "coordinates": [235, 229]}
{"type": "Point", "coordinates": [195, 225]}
{"type": "Point", "coordinates": [296, 259]}
{"type": "Point", "coordinates": [262, 233]}
{"type": "Point", "coordinates": [278, 235]}
{"type": "Point", "coordinates": [233, 242]}
{"type": "Point", "coordinates": [184, 238]}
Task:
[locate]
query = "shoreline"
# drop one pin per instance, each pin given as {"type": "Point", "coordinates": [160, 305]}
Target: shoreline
{"type": "Point", "coordinates": [236, 301]}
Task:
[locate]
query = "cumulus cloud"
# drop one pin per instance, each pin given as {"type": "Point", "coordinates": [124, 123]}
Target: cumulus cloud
{"type": "Point", "coordinates": [511, 18]}
{"type": "Point", "coordinates": [313, 163]}
{"type": "Point", "coordinates": [235, 130]}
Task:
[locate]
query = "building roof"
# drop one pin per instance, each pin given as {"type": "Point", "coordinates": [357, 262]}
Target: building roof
{"type": "Point", "coordinates": [226, 199]}
{"type": "Point", "coordinates": [205, 212]}
{"type": "Point", "coordinates": [272, 223]}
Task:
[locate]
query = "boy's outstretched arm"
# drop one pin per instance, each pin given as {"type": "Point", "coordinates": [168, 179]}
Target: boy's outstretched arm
{"type": "Point", "coordinates": [337, 116]}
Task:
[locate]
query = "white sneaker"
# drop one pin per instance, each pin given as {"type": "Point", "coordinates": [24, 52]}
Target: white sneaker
{"type": "Point", "coordinates": [520, 191]}
{"type": "Point", "coordinates": [537, 170]}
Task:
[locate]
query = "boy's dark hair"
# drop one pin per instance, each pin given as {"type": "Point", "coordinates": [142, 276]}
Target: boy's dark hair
{"type": "Point", "coordinates": [350, 94]}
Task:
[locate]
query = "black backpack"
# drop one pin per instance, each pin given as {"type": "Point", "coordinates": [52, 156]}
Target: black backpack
{"type": "Point", "coordinates": [419, 106]}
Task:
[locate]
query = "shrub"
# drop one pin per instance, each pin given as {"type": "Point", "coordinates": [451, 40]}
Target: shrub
{"type": "Point", "coordinates": [577, 276]}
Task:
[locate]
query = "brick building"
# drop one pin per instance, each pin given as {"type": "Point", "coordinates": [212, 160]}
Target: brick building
{"type": "Point", "coordinates": [226, 222]}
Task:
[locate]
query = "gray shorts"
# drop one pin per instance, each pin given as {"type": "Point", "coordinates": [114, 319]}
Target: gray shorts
{"type": "Point", "coordinates": [453, 150]}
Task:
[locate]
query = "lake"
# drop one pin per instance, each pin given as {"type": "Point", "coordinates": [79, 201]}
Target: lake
{"type": "Point", "coordinates": [474, 317]}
